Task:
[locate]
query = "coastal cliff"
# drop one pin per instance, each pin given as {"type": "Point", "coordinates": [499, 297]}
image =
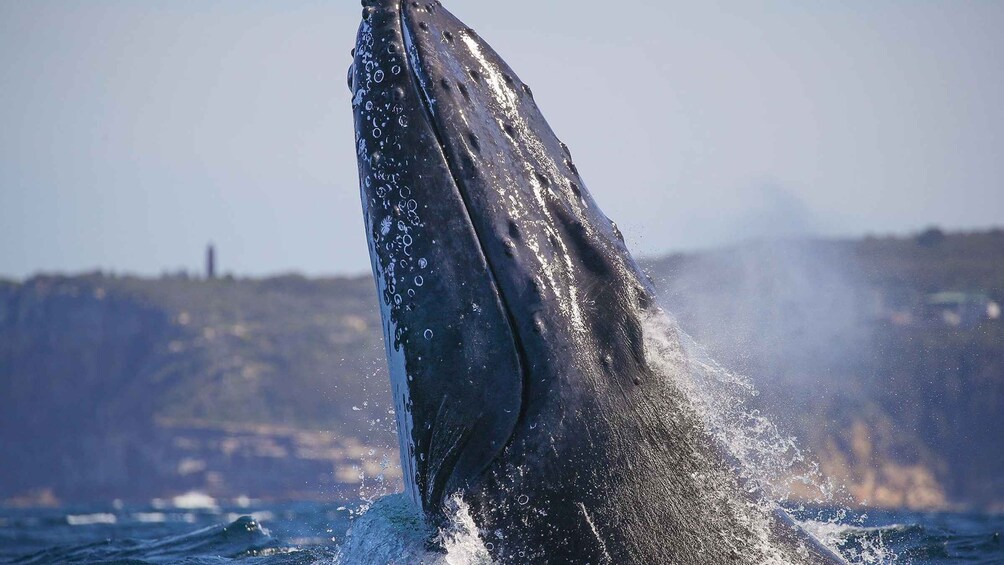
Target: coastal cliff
{"type": "Point", "coordinates": [885, 357]}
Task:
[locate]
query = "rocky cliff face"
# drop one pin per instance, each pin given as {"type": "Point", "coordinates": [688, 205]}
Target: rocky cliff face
{"type": "Point", "coordinates": [73, 358]}
{"type": "Point", "coordinates": [117, 387]}
{"type": "Point", "coordinates": [127, 388]}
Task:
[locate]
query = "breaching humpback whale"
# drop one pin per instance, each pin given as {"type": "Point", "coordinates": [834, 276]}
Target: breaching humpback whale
{"type": "Point", "coordinates": [515, 324]}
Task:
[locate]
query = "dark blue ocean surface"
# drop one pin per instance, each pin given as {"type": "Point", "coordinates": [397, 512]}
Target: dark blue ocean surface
{"type": "Point", "coordinates": [311, 533]}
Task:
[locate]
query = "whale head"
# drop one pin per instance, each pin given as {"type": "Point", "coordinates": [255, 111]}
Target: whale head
{"type": "Point", "coordinates": [506, 292]}
{"type": "Point", "coordinates": [515, 320]}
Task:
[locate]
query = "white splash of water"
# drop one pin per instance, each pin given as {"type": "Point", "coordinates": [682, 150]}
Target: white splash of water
{"type": "Point", "coordinates": [769, 461]}
{"type": "Point", "coordinates": [766, 460]}
{"type": "Point", "coordinates": [393, 532]}
{"type": "Point", "coordinates": [859, 544]}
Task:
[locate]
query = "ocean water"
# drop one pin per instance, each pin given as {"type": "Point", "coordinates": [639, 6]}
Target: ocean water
{"type": "Point", "coordinates": [388, 532]}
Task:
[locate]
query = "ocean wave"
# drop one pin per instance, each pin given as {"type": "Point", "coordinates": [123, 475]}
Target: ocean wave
{"type": "Point", "coordinates": [242, 538]}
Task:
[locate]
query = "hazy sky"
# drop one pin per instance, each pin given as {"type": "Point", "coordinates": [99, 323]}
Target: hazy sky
{"type": "Point", "coordinates": [134, 132]}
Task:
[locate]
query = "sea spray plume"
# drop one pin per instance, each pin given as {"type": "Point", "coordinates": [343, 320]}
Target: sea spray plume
{"type": "Point", "coordinates": [767, 461]}
{"type": "Point", "coordinates": [515, 323]}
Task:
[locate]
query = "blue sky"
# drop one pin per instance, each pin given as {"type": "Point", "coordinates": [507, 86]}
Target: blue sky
{"type": "Point", "coordinates": [133, 133]}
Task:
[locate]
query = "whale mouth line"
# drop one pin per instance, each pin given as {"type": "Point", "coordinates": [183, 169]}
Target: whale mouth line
{"type": "Point", "coordinates": [420, 82]}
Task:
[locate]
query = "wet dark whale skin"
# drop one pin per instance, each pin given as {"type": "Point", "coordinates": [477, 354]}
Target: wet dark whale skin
{"type": "Point", "coordinates": [514, 322]}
